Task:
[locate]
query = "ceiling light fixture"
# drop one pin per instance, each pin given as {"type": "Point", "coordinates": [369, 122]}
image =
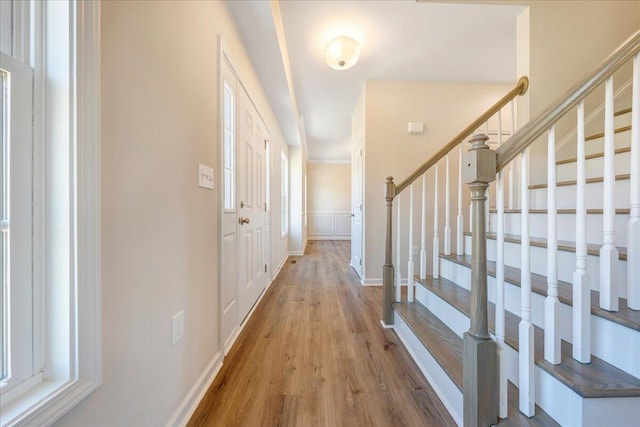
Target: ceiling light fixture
{"type": "Point", "coordinates": [342, 53]}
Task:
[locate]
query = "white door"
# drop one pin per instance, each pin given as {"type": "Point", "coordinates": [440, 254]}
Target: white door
{"type": "Point", "coordinates": [356, 210]}
{"type": "Point", "coordinates": [229, 232]}
{"type": "Point", "coordinates": [251, 205]}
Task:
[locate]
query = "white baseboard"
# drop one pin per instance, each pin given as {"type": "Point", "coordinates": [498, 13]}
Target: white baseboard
{"type": "Point", "coordinates": [191, 401]}
{"type": "Point", "coordinates": [280, 265]}
{"type": "Point", "coordinates": [331, 237]}
{"type": "Point", "coordinates": [296, 253]}
{"type": "Point", "coordinates": [371, 282]}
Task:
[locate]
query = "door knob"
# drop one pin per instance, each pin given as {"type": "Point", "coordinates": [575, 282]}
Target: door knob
{"type": "Point", "coordinates": [243, 221]}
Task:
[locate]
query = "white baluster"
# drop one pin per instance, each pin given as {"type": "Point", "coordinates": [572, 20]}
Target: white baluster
{"type": "Point", "coordinates": [487, 206]}
{"type": "Point", "coordinates": [581, 288]}
{"type": "Point", "coordinates": [398, 255]}
{"type": "Point", "coordinates": [436, 241]}
{"type": "Point", "coordinates": [526, 351]}
{"type": "Point", "coordinates": [459, 218]}
{"type": "Point", "coordinates": [447, 208]}
{"type": "Point", "coordinates": [423, 237]}
{"type": "Point", "coordinates": [500, 313]}
{"type": "Point", "coordinates": [633, 228]}
{"type": "Point", "coordinates": [552, 305]}
{"type": "Point", "coordinates": [410, 262]}
{"type": "Point", "coordinates": [513, 130]}
{"type": "Point", "coordinates": [609, 252]}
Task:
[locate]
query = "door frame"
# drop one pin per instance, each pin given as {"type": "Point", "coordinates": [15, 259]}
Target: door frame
{"type": "Point", "coordinates": [358, 151]}
{"type": "Point", "coordinates": [224, 55]}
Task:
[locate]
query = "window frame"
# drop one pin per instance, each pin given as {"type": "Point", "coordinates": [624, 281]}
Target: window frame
{"type": "Point", "coordinates": [62, 39]}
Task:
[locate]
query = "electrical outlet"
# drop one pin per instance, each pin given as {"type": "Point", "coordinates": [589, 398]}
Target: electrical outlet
{"type": "Point", "coordinates": [177, 327]}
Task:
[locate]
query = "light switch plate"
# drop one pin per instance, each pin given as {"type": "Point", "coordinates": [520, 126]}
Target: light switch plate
{"type": "Point", "coordinates": [205, 176]}
{"type": "Point", "coordinates": [177, 328]}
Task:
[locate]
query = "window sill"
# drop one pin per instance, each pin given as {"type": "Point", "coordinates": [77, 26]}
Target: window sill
{"type": "Point", "coordinates": [45, 403]}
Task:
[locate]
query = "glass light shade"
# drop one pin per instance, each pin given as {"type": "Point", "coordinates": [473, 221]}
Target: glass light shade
{"type": "Point", "coordinates": [342, 53]}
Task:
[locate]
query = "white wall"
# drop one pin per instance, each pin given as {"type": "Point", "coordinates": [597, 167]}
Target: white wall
{"type": "Point", "coordinates": [159, 230]}
{"type": "Point", "coordinates": [445, 108]}
{"type": "Point", "coordinates": [329, 201]}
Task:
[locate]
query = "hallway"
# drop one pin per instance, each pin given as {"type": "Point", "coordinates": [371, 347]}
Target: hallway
{"type": "Point", "coordinates": [314, 354]}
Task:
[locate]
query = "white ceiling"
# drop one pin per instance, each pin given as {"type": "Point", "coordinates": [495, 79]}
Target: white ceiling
{"type": "Point", "coordinates": [400, 40]}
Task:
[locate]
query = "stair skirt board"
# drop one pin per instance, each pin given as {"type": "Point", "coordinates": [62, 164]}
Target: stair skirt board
{"type": "Point", "coordinates": [556, 399]}
{"type": "Point", "coordinates": [606, 335]}
{"type": "Point", "coordinates": [566, 263]}
{"type": "Point", "coordinates": [442, 384]}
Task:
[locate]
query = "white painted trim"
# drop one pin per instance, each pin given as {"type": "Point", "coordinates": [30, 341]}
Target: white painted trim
{"type": "Point", "coordinates": [331, 237]}
{"type": "Point", "coordinates": [333, 233]}
{"type": "Point", "coordinates": [276, 271]}
{"type": "Point", "coordinates": [191, 401]}
{"type": "Point", "coordinates": [296, 253]}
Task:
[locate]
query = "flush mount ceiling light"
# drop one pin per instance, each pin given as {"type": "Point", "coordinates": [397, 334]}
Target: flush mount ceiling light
{"type": "Point", "coordinates": [342, 53]}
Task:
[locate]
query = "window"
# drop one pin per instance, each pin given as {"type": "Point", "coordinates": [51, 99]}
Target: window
{"type": "Point", "coordinates": [229, 147]}
{"type": "Point", "coordinates": [284, 195]}
{"type": "Point", "coordinates": [49, 207]}
{"type": "Point", "coordinates": [17, 363]}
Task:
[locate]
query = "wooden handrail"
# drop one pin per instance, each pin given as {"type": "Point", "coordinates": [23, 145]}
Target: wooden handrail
{"type": "Point", "coordinates": [520, 89]}
{"type": "Point", "coordinates": [536, 127]}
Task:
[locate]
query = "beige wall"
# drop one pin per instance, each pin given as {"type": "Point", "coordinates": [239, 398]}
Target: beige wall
{"type": "Point", "coordinates": [445, 108]}
{"type": "Point", "coordinates": [566, 40]}
{"type": "Point", "coordinates": [159, 230]}
{"type": "Point", "coordinates": [329, 187]}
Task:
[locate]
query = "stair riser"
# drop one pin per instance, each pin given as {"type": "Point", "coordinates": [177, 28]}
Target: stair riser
{"type": "Point", "coordinates": [555, 398]}
{"type": "Point", "coordinates": [566, 226]}
{"type": "Point", "coordinates": [566, 263]}
{"type": "Point", "coordinates": [606, 335]}
{"type": "Point", "coordinates": [594, 167]}
{"type": "Point", "coordinates": [621, 121]}
{"type": "Point", "coordinates": [622, 139]}
{"type": "Point", "coordinates": [566, 196]}
{"type": "Point", "coordinates": [443, 385]}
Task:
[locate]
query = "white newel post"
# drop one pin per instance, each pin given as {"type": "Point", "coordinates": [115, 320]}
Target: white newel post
{"type": "Point", "coordinates": [398, 255]}
{"type": "Point", "coordinates": [581, 287]}
{"type": "Point", "coordinates": [459, 218]}
{"type": "Point", "coordinates": [423, 235]}
{"type": "Point", "coordinates": [526, 351]}
{"type": "Point", "coordinates": [410, 257]}
{"type": "Point", "coordinates": [633, 228]}
{"type": "Point", "coordinates": [609, 252]}
{"type": "Point", "coordinates": [436, 241]}
{"type": "Point", "coordinates": [552, 304]}
{"type": "Point", "coordinates": [447, 208]}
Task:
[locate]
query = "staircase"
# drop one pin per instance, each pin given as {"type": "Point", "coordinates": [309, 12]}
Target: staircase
{"type": "Point", "coordinates": [552, 301]}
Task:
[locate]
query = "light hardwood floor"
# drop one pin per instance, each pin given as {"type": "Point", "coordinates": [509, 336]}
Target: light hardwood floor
{"type": "Point", "coordinates": [314, 354]}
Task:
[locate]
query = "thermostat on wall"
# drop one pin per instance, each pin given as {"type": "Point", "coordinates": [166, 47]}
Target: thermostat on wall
{"type": "Point", "coordinates": [416, 127]}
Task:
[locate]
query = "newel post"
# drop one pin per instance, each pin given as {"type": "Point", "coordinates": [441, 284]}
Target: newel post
{"type": "Point", "coordinates": [387, 270]}
{"type": "Point", "coordinates": [480, 367]}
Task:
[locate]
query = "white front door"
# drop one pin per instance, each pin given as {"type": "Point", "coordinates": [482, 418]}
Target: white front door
{"type": "Point", "coordinates": [356, 210]}
{"type": "Point", "coordinates": [251, 205]}
{"type": "Point", "coordinates": [229, 230]}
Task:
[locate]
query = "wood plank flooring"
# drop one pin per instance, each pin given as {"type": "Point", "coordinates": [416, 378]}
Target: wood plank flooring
{"type": "Point", "coordinates": [314, 354]}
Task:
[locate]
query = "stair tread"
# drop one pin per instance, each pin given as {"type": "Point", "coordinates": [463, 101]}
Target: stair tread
{"type": "Point", "coordinates": [621, 177]}
{"type": "Point", "coordinates": [563, 245]}
{"type": "Point", "coordinates": [592, 156]}
{"type": "Point", "coordinates": [624, 316]}
{"type": "Point", "coordinates": [562, 211]}
{"type": "Point", "coordinates": [590, 380]}
{"type": "Point", "coordinates": [447, 348]}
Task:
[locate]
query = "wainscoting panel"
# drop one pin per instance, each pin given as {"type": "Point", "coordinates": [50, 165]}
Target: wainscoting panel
{"type": "Point", "coordinates": [329, 225]}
